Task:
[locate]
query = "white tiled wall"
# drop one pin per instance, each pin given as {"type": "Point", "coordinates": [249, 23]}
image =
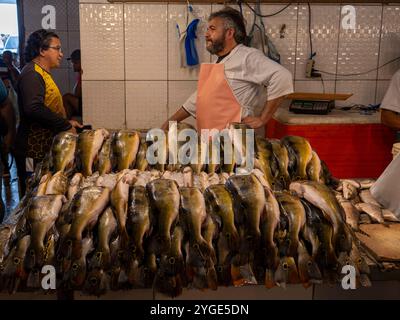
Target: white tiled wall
{"type": "Point", "coordinates": [67, 27]}
{"type": "Point", "coordinates": [138, 43]}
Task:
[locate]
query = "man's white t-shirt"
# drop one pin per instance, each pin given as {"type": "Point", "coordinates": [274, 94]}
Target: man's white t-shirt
{"type": "Point", "coordinates": [247, 70]}
{"type": "Point", "coordinates": [391, 101]}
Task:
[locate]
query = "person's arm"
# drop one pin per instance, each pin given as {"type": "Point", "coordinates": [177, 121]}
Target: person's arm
{"type": "Point", "coordinates": [8, 114]}
{"type": "Point", "coordinates": [276, 79]}
{"type": "Point", "coordinates": [32, 92]}
{"type": "Point", "coordinates": [390, 119]}
{"type": "Point", "coordinates": [268, 111]}
{"type": "Point", "coordinates": [180, 115]}
{"type": "Point", "coordinates": [187, 109]}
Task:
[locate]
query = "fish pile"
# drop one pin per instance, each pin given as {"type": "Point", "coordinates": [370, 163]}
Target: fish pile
{"type": "Point", "coordinates": [107, 220]}
{"type": "Point", "coordinates": [360, 206]}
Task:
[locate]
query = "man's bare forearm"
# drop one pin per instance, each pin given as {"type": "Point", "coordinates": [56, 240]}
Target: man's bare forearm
{"type": "Point", "coordinates": [179, 115]}
{"type": "Point", "coordinates": [390, 119]}
{"type": "Point", "coordinates": [270, 108]}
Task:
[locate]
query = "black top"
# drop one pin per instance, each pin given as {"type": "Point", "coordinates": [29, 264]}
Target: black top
{"type": "Point", "coordinates": [35, 89]}
{"type": "Point", "coordinates": [221, 57]}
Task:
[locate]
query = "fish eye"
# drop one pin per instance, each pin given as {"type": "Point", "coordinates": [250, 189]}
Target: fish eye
{"type": "Point", "coordinates": [75, 266]}
{"type": "Point", "coordinates": [32, 253]}
{"type": "Point", "coordinates": [17, 260]}
{"type": "Point", "coordinates": [171, 260]}
{"type": "Point", "coordinates": [309, 263]}
{"type": "Point", "coordinates": [69, 242]}
{"type": "Point", "coordinates": [359, 260]}
{"type": "Point", "coordinates": [196, 246]}
{"type": "Point", "coordinates": [93, 281]}
{"type": "Point", "coordinates": [59, 257]}
{"type": "Point", "coordinates": [285, 266]}
{"type": "Point", "coordinates": [133, 249]}
{"type": "Point", "coordinates": [98, 254]}
{"type": "Point", "coordinates": [219, 269]}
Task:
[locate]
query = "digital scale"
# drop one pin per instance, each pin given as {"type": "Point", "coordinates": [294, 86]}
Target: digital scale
{"type": "Point", "coordinates": [314, 103]}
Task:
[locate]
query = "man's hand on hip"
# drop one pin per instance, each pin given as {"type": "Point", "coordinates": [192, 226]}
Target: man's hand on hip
{"type": "Point", "coordinates": [253, 122]}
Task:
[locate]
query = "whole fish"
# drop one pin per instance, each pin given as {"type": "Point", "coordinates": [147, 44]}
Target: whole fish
{"type": "Point", "coordinates": [164, 199]}
{"type": "Point", "coordinates": [106, 229]}
{"type": "Point", "coordinates": [366, 197]}
{"type": "Point", "coordinates": [322, 197]}
{"type": "Point", "coordinates": [266, 161]}
{"type": "Point", "coordinates": [138, 223]}
{"type": "Point", "coordinates": [300, 154]}
{"type": "Point", "coordinates": [125, 147]}
{"type": "Point", "coordinates": [87, 205]}
{"type": "Point", "coordinates": [63, 151]}
{"type": "Point", "coordinates": [58, 184]}
{"type": "Point", "coordinates": [77, 274]}
{"type": "Point", "coordinates": [41, 215]}
{"type": "Point", "coordinates": [219, 204]}
{"type": "Point", "coordinates": [314, 168]}
{"type": "Point", "coordinates": [104, 165]}
{"type": "Point", "coordinates": [282, 157]}
{"type": "Point", "coordinates": [390, 216]}
{"type": "Point", "coordinates": [74, 185]}
{"type": "Point", "coordinates": [269, 224]}
{"type": "Point", "coordinates": [375, 212]}
{"type": "Point", "coordinates": [250, 197]}
{"type": "Point", "coordinates": [89, 145]}
{"type": "Point", "coordinates": [352, 214]}
{"type": "Point", "coordinates": [192, 216]}
{"type": "Point", "coordinates": [119, 202]}
{"type": "Point", "coordinates": [14, 268]}
{"type": "Point", "coordinates": [309, 272]}
{"type": "Point", "coordinates": [5, 236]}
{"type": "Point", "coordinates": [293, 210]}
{"type": "Point", "coordinates": [141, 161]}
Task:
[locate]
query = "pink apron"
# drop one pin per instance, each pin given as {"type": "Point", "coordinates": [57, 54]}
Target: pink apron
{"type": "Point", "coordinates": [216, 105]}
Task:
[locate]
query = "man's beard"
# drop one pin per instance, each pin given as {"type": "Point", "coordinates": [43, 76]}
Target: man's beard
{"type": "Point", "coordinates": [217, 45]}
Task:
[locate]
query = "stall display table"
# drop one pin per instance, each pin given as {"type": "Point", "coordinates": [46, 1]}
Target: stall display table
{"type": "Point", "coordinates": [353, 145]}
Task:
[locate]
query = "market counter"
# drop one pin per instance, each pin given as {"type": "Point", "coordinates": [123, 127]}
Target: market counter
{"type": "Point", "coordinates": [353, 145]}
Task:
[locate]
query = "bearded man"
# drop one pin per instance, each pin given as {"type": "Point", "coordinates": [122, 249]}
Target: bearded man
{"type": "Point", "coordinates": [228, 90]}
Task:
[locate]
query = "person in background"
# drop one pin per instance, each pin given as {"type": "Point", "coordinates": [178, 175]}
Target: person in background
{"type": "Point", "coordinates": [386, 189]}
{"type": "Point", "coordinates": [10, 79]}
{"type": "Point", "coordinates": [42, 113]}
{"type": "Point", "coordinates": [73, 101]}
{"type": "Point", "coordinates": [13, 72]}
{"type": "Point", "coordinates": [228, 90]}
{"type": "Point", "coordinates": [7, 133]}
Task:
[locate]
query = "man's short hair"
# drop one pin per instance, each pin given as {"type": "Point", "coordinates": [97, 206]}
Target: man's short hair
{"type": "Point", "coordinates": [232, 19]}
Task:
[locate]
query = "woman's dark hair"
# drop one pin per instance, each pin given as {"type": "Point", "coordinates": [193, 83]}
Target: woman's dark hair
{"type": "Point", "coordinates": [38, 40]}
{"type": "Point", "coordinates": [232, 19]}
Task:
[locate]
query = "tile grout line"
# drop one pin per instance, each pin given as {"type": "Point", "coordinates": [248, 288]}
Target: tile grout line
{"type": "Point", "coordinates": [295, 49]}
{"type": "Point", "coordinates": [337, 49]}
{"type": "Point", "coordinates": [124, 48]}
{"type": "Point", "coordinates": [168, 24]}
{"type": "Point", "coordinates": [379, 54]}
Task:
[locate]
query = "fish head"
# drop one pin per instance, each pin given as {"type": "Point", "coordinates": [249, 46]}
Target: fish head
{"type": "Point", "coordinates": [78, 272]}
{"type": "Point", "coordinates": [286, 272]}
{"type": "Point", "coordinates": [97, 282]}
{"type": "Point", "coordinates": [309, 271]}
{"type": "Point", "coordinates": [345, 241]}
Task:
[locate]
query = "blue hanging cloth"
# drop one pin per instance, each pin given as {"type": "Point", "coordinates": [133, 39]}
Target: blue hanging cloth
{"type": "Point", "coordinates": [192, 59]}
